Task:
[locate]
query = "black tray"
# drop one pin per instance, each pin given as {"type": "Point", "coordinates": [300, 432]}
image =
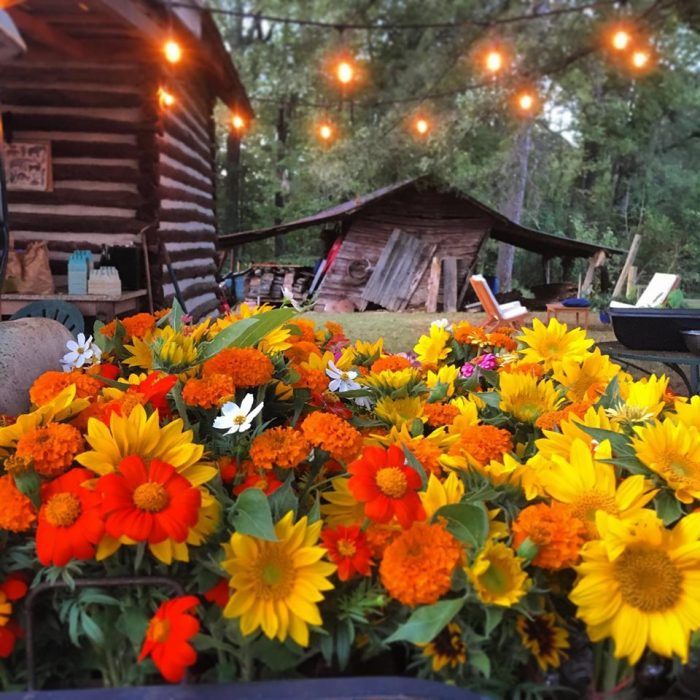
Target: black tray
{"type": "Point", "coordinates": [654, 329]}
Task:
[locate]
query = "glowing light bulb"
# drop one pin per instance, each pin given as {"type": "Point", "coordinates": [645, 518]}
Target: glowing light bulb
{"type": "Point", "coordinates": [237, 122]}
{"type": "Point", "coordinates": [640, 59]}
{"type": "Point", "coordinates": [620, 40]}
{"type": "Point", "coordinates": [165, 98]}
{"type": "Point", "coordinates": [526, 101]}
{"type": "Point", "coordinates": [325, 131]}
{"type": "Point", "coordinates": [422, 126]}
{"type": "Point", "coordinates": [172, 51]}
{"type": "Point", "coordinates": [345, 72]}
{"type": "Point", "coordinates": [493, 61]}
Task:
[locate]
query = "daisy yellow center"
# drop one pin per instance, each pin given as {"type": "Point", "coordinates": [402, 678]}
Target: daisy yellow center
{"type": "Point", "coordinates": [392, 482]}
{"type": "Point", "coordinates": [159, 630]}
{"type": "Point", "coordinates": [648, 579]}
{"type": "Point", "coordinates": [346, 548]}
{"type": "Point", "coordinates": [62, 510]}
{"type": "Point", "coordinates": [151, 497]}
{"type": "Point", "coordinates": [344, 376]}
{"type": "Point", "coordinates": [239, 419]}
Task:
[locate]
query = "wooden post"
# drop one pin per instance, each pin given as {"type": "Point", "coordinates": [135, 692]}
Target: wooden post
{"type": "Point", "coordinates": [629, 261]}
{"type": "Point", "coordinates": [596, 261]}
{"type": "Point", "coordinates": [449, 287]}
{"type": "Point", "coordinates": [631, 282]}
{"type": "Point", "coordinates": [433, 286]}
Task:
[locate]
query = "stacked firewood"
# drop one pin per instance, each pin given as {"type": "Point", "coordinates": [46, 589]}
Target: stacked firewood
{"type": "Point", "coordinates": [265, 281]}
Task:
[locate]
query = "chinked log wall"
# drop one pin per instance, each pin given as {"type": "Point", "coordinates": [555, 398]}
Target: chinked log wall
{"type": "Point", "coordinates": [101, 120]}
{"type": "Point", "coordinates": [456, 228]}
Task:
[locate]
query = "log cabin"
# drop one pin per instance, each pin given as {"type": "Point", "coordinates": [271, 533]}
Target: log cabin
{"type": "Point", "coordinates": [124, 166]}
{"type": "Point", "coordinates": [412, 245]}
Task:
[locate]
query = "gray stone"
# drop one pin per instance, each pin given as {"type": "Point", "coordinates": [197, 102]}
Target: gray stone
{"type": "Point", "coordinates": [28, 347]}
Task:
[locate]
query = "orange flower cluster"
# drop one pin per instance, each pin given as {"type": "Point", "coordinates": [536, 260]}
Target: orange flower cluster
{"type": "Point", "coordinates": [466, 334]}
{"type": "Point", "coordinates": [136, 326]}
{"type": "Point", "coordinates": [279, 447]}
{"type": "Point", "coordinates": [380, 536]}
{"type": "Point", "coordinates": [302, 331]}
{"type": "Point", "coordinates": [483, 443]}
{"type": "Point", "coordinates": [391, 363]}
{"type": "Point", "coordinates": [502, 340]}
{"type": "Point", "coordinates": [316, 380]}
{"type": "Point", "coordinates": [209, 392]}
{"type": "Point", "coordinates": [247, 367]}
{"type": "Point", "coordinates": [49, 385]}
{"type": "Point", "coordinates": [332, 434]}
{"type": "Point", "coordinates": [417, 566]}
{"type": "Point", "coordinates": [438, 414]}
{"type": "Point", "coordinates": [551, 419]}
{"type": "Point", "coordinates": [16, 513]}
{"type": "Point", "coordinates": [557, 534]}
{"type": "Point", "coordinates": [427, 453]}
{"type": "Point", "coordinates": [301, 351]}
{"type": "Point", "coordinates": [52, 448]}
{"type": "Point", "coordinates": [523, 368]}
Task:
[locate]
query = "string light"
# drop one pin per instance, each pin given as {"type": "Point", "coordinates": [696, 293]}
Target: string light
{"type": "Point", "coordinates": [345, 72]}
{"type": "Point", "coordinates": [166, 98]}
{"type": "Point", "coordinates": [640, 59]}
{"type": "Point", "coordinates": [421, 125]}
{"type": "Point", "coordinates": [237, 122]}
{"type": "Point", "coordinates": [494, 61]}
{"type": "Point", "coordinates": [620, 39]}
{"type": "Point", "coordinates": [326, 131]}
{"type": "Point", "coordinates": [526, 101]}
{"type": "Point", "coordinates": [172, 51]}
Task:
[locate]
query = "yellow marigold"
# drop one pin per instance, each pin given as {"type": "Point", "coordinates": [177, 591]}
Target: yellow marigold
{"type": "Point", "coordinates": [52, 448]}
{"type": "Point", "coordinates": [483, 443]}
{"type": "Point", "coordinates": [393, 363]}
{"type": "Point", "coordinates": [49, 385]}
{"type": "Point", "coordinates": [247, 367]}
{"type": "Point", "coordinates": [136, 326]}
{"type": "Point", "coordinates": [332, 434]}
{"type": "Point", "coordinates": [438, 414]}
{"type": "Point", "coordinates": [208, 392]}
{"type": "Point", "coordinates": [417, 566]}
{"type": "Point", "coordinates": [279, 447]}
{"type": "Point", "coordinates": [17, 513]}
{"type": "Point", "coordinates": [551, 419]}
{"type": "Point", "coordinates": [556, 533]}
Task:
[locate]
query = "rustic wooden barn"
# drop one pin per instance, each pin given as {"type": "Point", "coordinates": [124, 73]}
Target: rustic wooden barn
{"type": "Point", "coordinates": [122, 164]}
{"type": "Point", "coordinates": [412, 245]}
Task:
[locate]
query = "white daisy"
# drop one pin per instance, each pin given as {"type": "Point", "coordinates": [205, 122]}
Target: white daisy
{"type": "Point", "coordinates": [81, 353]}
{"type": "Point", "coordinates": [341, 380]}
{"type": "Point", "coordinates": [235, 418]}
{"type": "Point", "coordinates": [442, 323]}
{"type": "Point", "coordinates": [288, 295]}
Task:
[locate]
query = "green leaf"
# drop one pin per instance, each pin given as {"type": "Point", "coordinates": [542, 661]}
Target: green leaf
{"type": "Point", "coordinates": [277, 657]}
{"type": "Point", "coordinates": [620, 443]}
{"type": "Point", "coordinates": [668, 508]}
{"type": "Point", "coordinates": [133, 624]}
{"type": "Point", "coordinates": [175, 315]}
{"type": "Point", "coordinates": [252, 515]}
{"type": "Point", "coordinates": [494, 615]}
{"type": "Point", "coordinates": [415, 464]}
{"type": "Point", "coordinates": [426, 622]}
{"type": "Point", "coordinates": [226, 338]}
{"type": "Point", "coordinates": [490, 398]}
{"type": "Point", "coordinates": [468, 522]}
{"type": "Point", "coordinates": [29, 483]}
{"type": "Point", "coordinates": [480, 662]}
{"type": "Point", "coordinates": [92, 629]}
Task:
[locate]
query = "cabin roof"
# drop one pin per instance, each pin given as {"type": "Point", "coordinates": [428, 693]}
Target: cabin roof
{"type": "Point", "coordinates": [502, 229]}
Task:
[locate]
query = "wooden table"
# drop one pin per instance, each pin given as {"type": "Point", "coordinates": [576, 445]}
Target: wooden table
{"type": "Point", "coordinates": [556, 308]}
{"type": "Point", "coordinates": [671, 359]}
{"type": "Point", "coordinates": [102, 307]}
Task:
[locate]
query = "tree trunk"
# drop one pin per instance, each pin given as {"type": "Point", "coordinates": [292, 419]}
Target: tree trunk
{"type": "Point", "coordinates": [514, 205]}
{"type": "Point", "coordinates": [281, 172]}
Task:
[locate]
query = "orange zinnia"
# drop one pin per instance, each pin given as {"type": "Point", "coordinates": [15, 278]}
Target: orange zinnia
{"type": "Point", "coordinates": [16, 513]}
{"type": "Point", "coordinates": [387, 486]}
{"type": "Point", "coordinates": [247, 367]}
{"type": "Point", "coordinates": [417, 566]}
{"type": "Point", "coordinates": [279, 447]}
{"type": "Point", "coordinates": [348, 548]}
{"type": "Point", "coordinates": [70, 525]}
{"type": "Point", "coordinates": [332, 434]}
{"type": "Point", "coordinates": [556, 533]}
{"type": "Point", "coordinates": [167, 637]}
{"type": "Point", "coordinates": [52, 448]}
{"type": "Point", "coordinates": [148, 503]}
{"type": "Point", "coordinates": [49, 385]}
{"type": "Point", "coordinates": [210, 392]}
{"type": "Point", "coordinates": [13, 588]}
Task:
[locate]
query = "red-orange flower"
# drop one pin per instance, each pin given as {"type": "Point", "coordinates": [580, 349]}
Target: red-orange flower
{"type": "Point", "coordinates": [247, 367]}
{"type": "Point", "coordinates": [12, 589]}
{"type": "Point", "coordinates": [167, 637]}
{"type": "Point", "coordinates": [557, 534]}
{"type": "Point", "coordinates": [279, 447]}
{"type": "Point", "coordinates": [51, 447]}
{"type": "Point", "coordinates": [16, 512]}
{"type": "Point", "coordinates": [49, 385]}
{"type": "Point", "coordinates": [148, 503]}
{"type": "Point", "coordinates": [70, 525]}
{"type": "Point", "coordinates": [387, 486]}
{"type": "Point", "coordinates": [348, 548]}
{"type": "Point", "coordinates": [268, 483]}
{"type": "Point", "coordinates": [219, 593]}
{"type": "Point", "coordinates": [332, 434]}
{"type": "Point", "coordinates": [154, 388]}
{"type": "Point", "coordinates": [551, 419]}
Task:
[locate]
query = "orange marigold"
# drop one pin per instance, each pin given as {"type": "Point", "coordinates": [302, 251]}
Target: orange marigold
{"type": "Point", "coordinates": [52, 448]}
{"type": "Point", "coordinates": [483, 443]}
{"type": "Point", "coordinates": [17, 513]}
{"type": "Point", "coordinates": [136, 326]}
{"type": "Point", "coordinates": [301, 351]}
{"type": "Point", "coordinates": [556, 533]}
{"type": "Point", "coordinates": [247, 367]}
{"type": "Point", "coordinates": [380, 536]}
{"type": "Point", "coordinates": [314, 379]}
{"type": "Point", "coordinates": [427, 453]}
{"type": "Point", "coordinates": [50, 384]}
{"type": "Point", "coordinates": [551, 419]}
{"type": "Point", "coordinates": [334, 328]}
{"type": "Point", "coordinates": [524, 368]}
{"type": "Point", "coordinates": [438, 414]}
{"type": "Point", "coordinates": [279, 447]}
{"type": "Point", "coordinates": [332, 434]}
{"type": "Point", "coordinates": [417, 566]}
{"type": "Point", "coordinates": [392, 363]}
{"type": "Point", "coordinates": [209, 392]}
{"type": "Point", "coordinates": [466, 334]}
{"type": "Point", "coordinates": [302, 330]}
{"type": "Point", "coordinates": [501, 340]}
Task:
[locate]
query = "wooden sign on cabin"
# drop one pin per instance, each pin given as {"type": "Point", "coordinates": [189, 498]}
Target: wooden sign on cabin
{"type": "Point", "coordinates": [29, 166]}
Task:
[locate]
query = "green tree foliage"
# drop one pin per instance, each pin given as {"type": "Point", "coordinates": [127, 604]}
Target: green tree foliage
{"type": "Point", "coordinates": [610, 156]}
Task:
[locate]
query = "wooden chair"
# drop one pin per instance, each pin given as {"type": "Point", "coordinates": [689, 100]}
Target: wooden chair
{"type": "Point", "coordinates": [512, 314]}
{"type": "Point", "coordinates": [655, 294]}
{"type": "Point", "coordinates": [61, 311]}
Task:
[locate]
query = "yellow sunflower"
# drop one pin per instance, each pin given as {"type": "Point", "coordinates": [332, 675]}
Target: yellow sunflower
{"type": "Point", "coordinates": [447, 375]}
{"type": "Point", "coordinates": [342, 507]}
{"type": "Point", "coordinates": [688, 411]}
{"type": "Point", "coordinates": [589, 486]}
{"type": "Point", "coordinates": [640, 585]}
{"type": "Point", "coordinates": [393, 382]}
{"type": "Point", "coordinates": [277, 585]}
{"type": "Point", "coordinates": [432, 349]}
{"type": "Point", "coordinates": [553, 343]}
{"type": "Point", "coordinates": [672, 450]}
{"type": "Point", "coordinates": [497, 575]}
{"type": "Point", "coordinates": [640, 401]}
{"type": "Point", "coordinates": [441, 493]}
{"type": "Point", "coordinates": [398, 412]}
{"type": "Point", "coordinates": [527, 398]}
{"type": "Point", "coordinates": [138, 434]}
{"type": "Point", "coordinates": [587, 378]}
{"type": "Point", "coordinates": [545, 638]}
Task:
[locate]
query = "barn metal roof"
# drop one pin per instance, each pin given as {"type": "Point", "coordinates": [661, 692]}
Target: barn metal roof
{"type": "Point", "coordinates": [503, 229]}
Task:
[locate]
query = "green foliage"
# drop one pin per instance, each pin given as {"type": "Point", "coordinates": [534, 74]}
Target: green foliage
{"type": "Point", "coordinates": [425, 622]}
{"type": "Point", "coordinates": [252, 515]}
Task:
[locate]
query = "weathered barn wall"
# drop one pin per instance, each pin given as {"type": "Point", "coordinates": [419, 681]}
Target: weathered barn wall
{"type": "Point", "coordinates": [454, 225]}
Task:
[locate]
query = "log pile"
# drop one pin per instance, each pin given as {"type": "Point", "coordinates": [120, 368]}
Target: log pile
{"type": "Point", "coordinates": [265, 281]}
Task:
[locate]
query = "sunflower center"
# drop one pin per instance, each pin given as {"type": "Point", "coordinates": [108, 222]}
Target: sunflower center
{"type": "Point", "coordinates": [589, 502]}
{"type": "Point", "coordinates": [392, 482]}
{"type": "Point", "coordinates": [683, 467]}
{"type": "Point", "coordinates": [62, 510]}
{"type": "Point", "coordinates": [495, 579]}
{"type": "Point", "coordinates": [159, 630]}
{"type": "Point", "coordinates": [648, 579]}
{"type": "Point", "coordinates": [276, 575]}
{"type": "Point", "coordinates": [346, 548]}
{"type": "Point", "coordinates": [151, 497]}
